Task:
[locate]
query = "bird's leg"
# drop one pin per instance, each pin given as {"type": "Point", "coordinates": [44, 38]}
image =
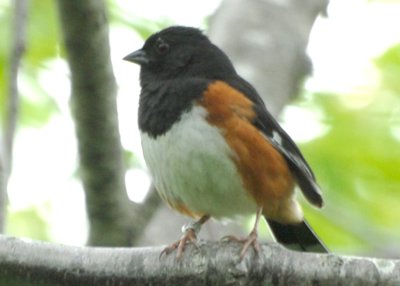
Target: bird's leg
{"type": "Point", "coordinates": [251, 239]}
{"type": "Point", "coordinates": [190, 231]}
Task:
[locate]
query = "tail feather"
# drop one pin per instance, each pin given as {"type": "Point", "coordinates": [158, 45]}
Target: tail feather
{"type": "Point", "coordinates": [297, 237]}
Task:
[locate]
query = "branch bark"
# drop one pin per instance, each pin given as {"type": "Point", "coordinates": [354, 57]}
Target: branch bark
{"type": "Point", "coordinates": [212, 263]}
{"type": "Point", "coordinates": [3, 194]}
{"type": "Point", "coordinates": [93, 104]}
{"type": "Point", "coordinates": [17, 50]}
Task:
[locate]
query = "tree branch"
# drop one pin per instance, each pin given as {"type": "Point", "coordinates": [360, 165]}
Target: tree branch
{"type": "Point", "coordinates": [17, 50]}
{"type": "Point", "coordinates": [93, 105]}
{"type": "Point", "coordinates": [3, 194]}
{"type": "Point", "coordinates": [267, 40]}
{"type": "Point", "coordinates": [212, 263]}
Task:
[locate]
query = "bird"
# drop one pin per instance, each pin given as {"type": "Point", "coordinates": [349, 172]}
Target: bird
{"type": "Point", "coordinates": [213, 149]}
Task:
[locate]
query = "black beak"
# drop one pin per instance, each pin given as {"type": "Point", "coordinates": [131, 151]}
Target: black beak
{"type": "Point", "coordinates": [138, 57]}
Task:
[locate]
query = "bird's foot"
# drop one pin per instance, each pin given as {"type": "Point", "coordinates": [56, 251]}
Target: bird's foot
{"type": "Point", "coordinates": [189, 236]}
{"type": "Point", "coordinates": [190, 232]}
{"type": "Point", "coordinates": [250, 240]}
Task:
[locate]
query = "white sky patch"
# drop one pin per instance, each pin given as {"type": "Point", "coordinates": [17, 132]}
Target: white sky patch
{"type": "Point", "coordinates": [43, 161]}
{"type": "Point", "coordinates": [57, 84]}
{"type": "Point", "coordinates": [302, 124]}
{"type": "Point", "coordinates": [395, 131]}
{"type": "Point", "coordinates": [182, 12]}
{"type": "Point", "coordinates": [137, 183]}
{"type": "Point", "coordinates": [68, 220]}
{"type": "Point", "coordinates": [343, 45]}
{"type": "Point", "coordinates": [127, 76]}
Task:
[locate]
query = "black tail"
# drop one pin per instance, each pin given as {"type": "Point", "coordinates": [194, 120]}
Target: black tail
{"type": "Point", "coordinates": [297, 237]}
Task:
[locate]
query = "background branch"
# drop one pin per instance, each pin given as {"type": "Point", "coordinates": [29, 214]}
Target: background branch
{"type": "Point", "coordinates": [18, 45]}
{"type": "Point", "coordinates": [267, 41]}
{"type": "Point", "coordinates": [114, 220]}
{"type": "Point", "coordinates": [213, 263]}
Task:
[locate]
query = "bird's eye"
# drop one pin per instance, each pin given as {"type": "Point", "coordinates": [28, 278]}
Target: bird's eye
{"type": "Point", "coordinates": [162, 47]}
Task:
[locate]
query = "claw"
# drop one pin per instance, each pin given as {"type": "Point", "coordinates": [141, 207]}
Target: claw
{"type": "Point", "coordinates": [250, 240]}
{"type": "Point", "coordinates": [189, 236]}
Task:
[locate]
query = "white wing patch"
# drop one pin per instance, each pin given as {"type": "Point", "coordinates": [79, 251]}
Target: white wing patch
{"type": "Point", "coordinates": [276, 137]}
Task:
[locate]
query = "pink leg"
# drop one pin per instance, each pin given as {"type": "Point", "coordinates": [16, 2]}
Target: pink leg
{"type": "Point", "coordinates": [251, 239]}
{"type": "Point", "coordinates": [190, 232]}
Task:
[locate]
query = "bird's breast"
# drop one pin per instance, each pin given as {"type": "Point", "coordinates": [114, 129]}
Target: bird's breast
{"type": "Point", "coordinates": [193, 168]}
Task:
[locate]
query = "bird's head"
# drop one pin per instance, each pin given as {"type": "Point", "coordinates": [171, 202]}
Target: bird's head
{"type": "Point", "coordinates": [180, 51]}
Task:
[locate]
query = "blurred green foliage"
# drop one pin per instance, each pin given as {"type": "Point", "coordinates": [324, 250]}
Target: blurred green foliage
{"type": "Point", "coordinates": [30, 222]}
{"type": "Point", "coordinates": [42, 33]}
{"type": "Point", "coordinates": [42, 45]}
{"type": "Point", "coordinates": [142, 26]}
{"type": "Point", "coordinates": [357, 163]}
{"type": "Point", "coordinates": [5, 20]}
{"type": "Point", "coordinates": [389, 67]}
{"type": "Point", "coordinates": [36, 106]}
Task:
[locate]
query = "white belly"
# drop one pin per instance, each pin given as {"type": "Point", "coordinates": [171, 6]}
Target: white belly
{"type": "Point", "coordinates": [191, 165]}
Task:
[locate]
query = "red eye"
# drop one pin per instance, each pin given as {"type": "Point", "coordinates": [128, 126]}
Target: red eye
{"type": "Point", "coordinates": [162, 47]}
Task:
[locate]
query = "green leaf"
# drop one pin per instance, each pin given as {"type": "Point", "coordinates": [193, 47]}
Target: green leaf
{"type": "Point", "coordinates": [42, 44]}
{"type": "Point", "coordinates": [42, 33]}
{"type": "Point", "coordinates": [357, 165]}
{"type": "Point", "coordinates": [389, 65]}
{"type": "Point", "coordinates": [28, 222]}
